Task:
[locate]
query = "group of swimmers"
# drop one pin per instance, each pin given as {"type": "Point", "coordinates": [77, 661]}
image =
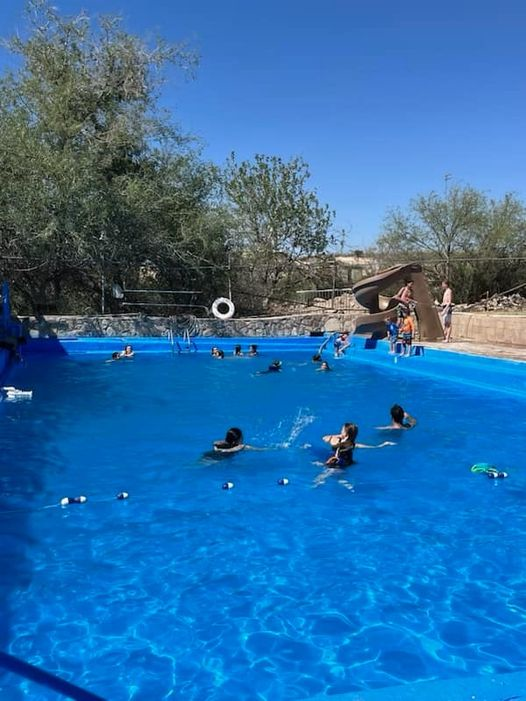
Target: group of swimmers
{"type": "Point", "coordinates": [342, 444]}
{"type": "Point", "coordinates": [238, 351]}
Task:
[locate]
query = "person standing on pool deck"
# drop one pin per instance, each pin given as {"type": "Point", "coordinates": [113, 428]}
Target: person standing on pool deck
{"type": "Point", "coordinates": [407, 329]}
{"type": "Point", "coordinates": [446, 310]}
{"type": "Point", "coordinates": [392, 333]}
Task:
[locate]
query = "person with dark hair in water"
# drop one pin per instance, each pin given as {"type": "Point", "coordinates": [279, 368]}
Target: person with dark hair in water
{"type": "Point", "coordinates": [343, 445]}
{"type": "Point", "coordinates": [127, 352]}
{"type": "Point", "coordinates": [324, 367]}
{"type": "Point", "coordinates": [217, 353]}
{"type": "Point", "coordinates": [237, 350]}
{"type": "Point", "coordinates": [252, 350]}
{"type": "Point", "coordinates": [232, 443]}
{"type": "Point", "coordinates": [400, 419]}
{"type": "Point", "coordinates": [316, 358]}
{"type": "Point", "coordinates": [275, 366]}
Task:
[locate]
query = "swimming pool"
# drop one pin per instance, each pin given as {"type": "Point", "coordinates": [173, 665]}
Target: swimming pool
{"type": "Point", "coordinates": [263, 591]}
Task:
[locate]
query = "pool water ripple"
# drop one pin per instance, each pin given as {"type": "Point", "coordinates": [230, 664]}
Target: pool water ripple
{"type": "Point", "coordinates": [262, 592]}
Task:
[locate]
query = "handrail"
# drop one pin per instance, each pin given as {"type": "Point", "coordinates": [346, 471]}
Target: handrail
{"type": "Point", "coordinates": [29, 671]}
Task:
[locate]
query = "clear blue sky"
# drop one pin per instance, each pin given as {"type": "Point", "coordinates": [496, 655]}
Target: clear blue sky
{"type": "Point", "coordinates": [381, 97]}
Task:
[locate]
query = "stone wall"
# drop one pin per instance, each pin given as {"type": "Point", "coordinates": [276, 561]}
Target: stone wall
{"type": "Point", "coordinates": [508, 329]}
{"type": "Point", "coordinates": [139, 325]}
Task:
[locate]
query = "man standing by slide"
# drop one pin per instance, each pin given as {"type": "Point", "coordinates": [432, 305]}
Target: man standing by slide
{"type": "Point", "coordinates": [446, 309]}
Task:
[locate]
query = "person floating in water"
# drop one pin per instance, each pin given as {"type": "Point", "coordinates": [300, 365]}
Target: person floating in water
{"type": "Point", "coordinates": [127, 352]}
{"type": "Point", "coordinates": [217, 353]}
{"type": "Point", "coordinates": [400, 419]}
{"type": "Point", "coordinates": [275, 366]}
{"type": "Point", "coordinates": [116, 355]}
{"type": "Point", "coordinates": [341, 344]}
{"type": "Point", "coordinates": [237, 351]}
{"type": "Point", "coordinates": [324, 367]}
{"type": "Point", "coordinates": [252, 350]}
{"type": "Point", "coordinates": [232, 443]}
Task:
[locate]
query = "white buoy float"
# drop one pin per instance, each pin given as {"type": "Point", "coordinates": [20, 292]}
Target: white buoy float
{"type": "Point", "coordinates": [73, 500]}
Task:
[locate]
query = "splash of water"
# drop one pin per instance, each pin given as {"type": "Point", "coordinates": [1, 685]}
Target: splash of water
{"type": "Point", "coordinates": [302, 420]}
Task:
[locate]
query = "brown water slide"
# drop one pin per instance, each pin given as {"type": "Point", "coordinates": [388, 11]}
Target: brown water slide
{"type": "Point", "coordinates": [367, 293]}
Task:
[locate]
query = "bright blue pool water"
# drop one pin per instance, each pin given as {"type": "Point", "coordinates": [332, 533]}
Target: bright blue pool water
{"type": "Point", "coordinates": [186, 591]}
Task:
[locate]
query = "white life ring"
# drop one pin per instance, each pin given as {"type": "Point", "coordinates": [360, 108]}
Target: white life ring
{"type": "Point", "coordinates": [223, 315]}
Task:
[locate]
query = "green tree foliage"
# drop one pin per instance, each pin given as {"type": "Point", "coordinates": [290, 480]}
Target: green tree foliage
{"type": "Point", "coordinates": [95, 183]}
{"type": "Point", "coordinates": [275, 221]}
{"type": "Point", "coordinates": [464, 236]}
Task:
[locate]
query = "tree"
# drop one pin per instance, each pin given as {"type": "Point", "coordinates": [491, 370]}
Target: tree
{"type": "Point", "coordinates": [455, 236]}
{"type": "Point", "coordinates": [93, 178]}
{"type": "Point", "coordinates": [276, 221]}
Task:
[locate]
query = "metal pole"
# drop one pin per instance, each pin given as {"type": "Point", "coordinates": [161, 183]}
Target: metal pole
{"type": "Point", "coordinates": [333, 280]}
{"type": "Point", "coordinates": [447, 178]}
{"type": "Point", "coordinates": [229, 279]}
{"type": "Point", "coordinates": [102, 286]}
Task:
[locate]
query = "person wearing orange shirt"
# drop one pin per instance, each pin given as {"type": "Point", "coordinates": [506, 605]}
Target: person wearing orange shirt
{"type": "Point", "coordinates": [407, 330]}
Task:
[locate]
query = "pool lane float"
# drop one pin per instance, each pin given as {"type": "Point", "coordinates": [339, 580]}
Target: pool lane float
{"type": "Point", "coordinates": [73, 500]}
{"type": "Point", "coordinates": [66, 501]}
{"type": "Point", "coordinates": [484, 468]}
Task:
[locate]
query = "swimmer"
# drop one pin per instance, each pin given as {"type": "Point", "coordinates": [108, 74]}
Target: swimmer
{"type": "Point", "coordinates": [127, 352]}
{"type": "Point", "coordinates": [324, 367]}
{"type": "Point", "coordinates": [343, 444]}
{"type": "Point", "coordinates": [316, 358]}
{"type": "Point", "coordinates": [253, 350]}
{"type": "Point", "coordinates": [275, 366]}
{"type": "Point", "coordinates": [346, 440]}
{"type": "Point", "coordinates": [114, 356]}
{"type": "Point", "coordinates": [232, 443]}
{"type": "Point", "coordinates": [341, 344]}
{"type": "Point", "coordinates": [400, 419]}
{"type": "Point", "coordinates": [217, 353]}
{"type": "Point", "coordinates": [237, 351]}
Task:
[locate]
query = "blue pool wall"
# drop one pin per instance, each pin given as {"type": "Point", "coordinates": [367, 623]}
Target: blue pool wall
{"type": "Point", "coordinates": [495, 374]}
{"type": "Point", "coordinates": [4, 361]}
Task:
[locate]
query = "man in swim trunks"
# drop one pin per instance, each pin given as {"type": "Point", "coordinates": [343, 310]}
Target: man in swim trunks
{"type": "Point", "coordinates": [446, 309]}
